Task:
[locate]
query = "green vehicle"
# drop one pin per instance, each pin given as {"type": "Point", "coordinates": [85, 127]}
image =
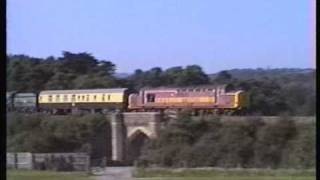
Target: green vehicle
{"type": "Point", "coordinates": [22, 102]}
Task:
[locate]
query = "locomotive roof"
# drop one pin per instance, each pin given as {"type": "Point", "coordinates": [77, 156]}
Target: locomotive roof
{"type": "Point", "coordinates": [185, 87]}
{"type": "Point", "coordinates": [111, 90]}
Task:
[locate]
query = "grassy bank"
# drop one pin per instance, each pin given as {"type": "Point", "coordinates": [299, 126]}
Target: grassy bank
{"type": "Point", "coordinates": [223, 174]}
{"type": "Point", "coordinates": [45, 175]}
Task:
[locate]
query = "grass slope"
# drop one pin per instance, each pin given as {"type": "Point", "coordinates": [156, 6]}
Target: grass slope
{"type": "Point", "coordinates": [231, 178]}
{"type": "Point", "coordinates": [45, 175]}
{"type": "Point", "coordinates": [198, 174]}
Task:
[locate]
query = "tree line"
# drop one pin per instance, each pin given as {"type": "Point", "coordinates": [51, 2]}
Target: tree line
{"type": "Point", "coordinates": [271, 92]}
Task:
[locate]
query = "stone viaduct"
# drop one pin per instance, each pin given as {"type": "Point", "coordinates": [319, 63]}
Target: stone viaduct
{"type": "Point", "coordinates": [129, 131]}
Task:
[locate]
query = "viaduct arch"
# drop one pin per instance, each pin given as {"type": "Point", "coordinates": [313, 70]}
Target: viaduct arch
{"type": "Point", "coordinates": [130, 131]}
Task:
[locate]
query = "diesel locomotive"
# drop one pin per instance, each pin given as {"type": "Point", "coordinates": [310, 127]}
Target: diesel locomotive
{"type": "Point", "coordinates": [211, 99]}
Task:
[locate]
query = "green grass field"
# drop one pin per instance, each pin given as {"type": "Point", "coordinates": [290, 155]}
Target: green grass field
{"type": "Point", "coordinates": [230, 178]}
{"type": "Point", "coordinates": [142, 174]}
{"type": "Point", "coordinates": [225, 174]}
{"type": "Point", "coordinates": [45, 175]}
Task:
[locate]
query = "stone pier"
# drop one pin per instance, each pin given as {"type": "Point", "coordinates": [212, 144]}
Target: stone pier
{"type": "Point", "coordinates": [118, 140]}
{"type": "Point", "coordinates": [130, 131]}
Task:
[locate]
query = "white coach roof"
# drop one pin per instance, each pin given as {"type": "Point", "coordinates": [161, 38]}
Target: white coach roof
{"type": "Point", "coordinates": [84, 91]}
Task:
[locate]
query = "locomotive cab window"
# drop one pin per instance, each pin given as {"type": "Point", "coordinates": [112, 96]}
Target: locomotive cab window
{"type": "Point", "coordinates": [151, 97]}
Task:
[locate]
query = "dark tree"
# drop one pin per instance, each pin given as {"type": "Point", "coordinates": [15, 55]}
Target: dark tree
{"type": "Point", "coordinates": [223, 77]}
{"type": "Point", "coordinates": [192, 75]}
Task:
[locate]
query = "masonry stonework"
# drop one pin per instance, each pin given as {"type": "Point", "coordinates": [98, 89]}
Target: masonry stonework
{"type": "Point", "coordinates": [129, 129]}
{"type": "Point", "coordinates": [125, 127]}
{"type": "Point", "coordinates": [117, 130]}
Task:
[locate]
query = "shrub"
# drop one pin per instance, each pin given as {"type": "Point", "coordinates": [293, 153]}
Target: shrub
{"type": "Point", "coordinates": [250, 143]}
{"type": "Point", "coordinates": [44, 134]}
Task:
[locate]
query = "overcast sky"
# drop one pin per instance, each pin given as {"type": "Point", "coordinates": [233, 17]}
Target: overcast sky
{"type": "Point", "coordinates": [215, 34]}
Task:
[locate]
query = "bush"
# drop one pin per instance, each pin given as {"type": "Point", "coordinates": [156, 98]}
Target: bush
{"type": "Point", "coordinates": [300, 152]}
{"type": "Point", "coordinates": [251, 143]}
{"type": "Point", "coordinates": [271, 140]}
{"type": "Point", "coordinates": [40, 134]}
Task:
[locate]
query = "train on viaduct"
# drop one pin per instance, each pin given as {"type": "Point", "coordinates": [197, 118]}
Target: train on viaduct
{"type": "Point", "coordinates": [209, 99]}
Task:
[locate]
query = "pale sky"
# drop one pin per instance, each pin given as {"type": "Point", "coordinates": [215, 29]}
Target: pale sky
{"type": "Point", "coordinates": [215, 34]}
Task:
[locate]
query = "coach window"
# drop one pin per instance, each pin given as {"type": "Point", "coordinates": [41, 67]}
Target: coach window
{"type": "Point", "coordinates": [73, 98]}
{"type": "Point", "coordinates": [109, 97]}
{"type": "Point", "coordinates": [198, 90]}
{"type": "Point", "coordinates": [87, 97]}
{"type": "Point", "coordinates": [65, 98]}
{"type": "Point", "coordinates": [94, 97]}
{"type": "Point", "coordinates": [103, 97]}
{"type": "Point", "coordinates": [57, 98]}
{"type": "Point", "coordinates": [79, 97]}
{"type": "Point", "coordinates": [82, 98]}
{"type": "Point", "coordinates": [150, 97]}
{"type": "Point", "coordinates": [50, 98]}
{"type": "Point", "coordinates": [40, 98]}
